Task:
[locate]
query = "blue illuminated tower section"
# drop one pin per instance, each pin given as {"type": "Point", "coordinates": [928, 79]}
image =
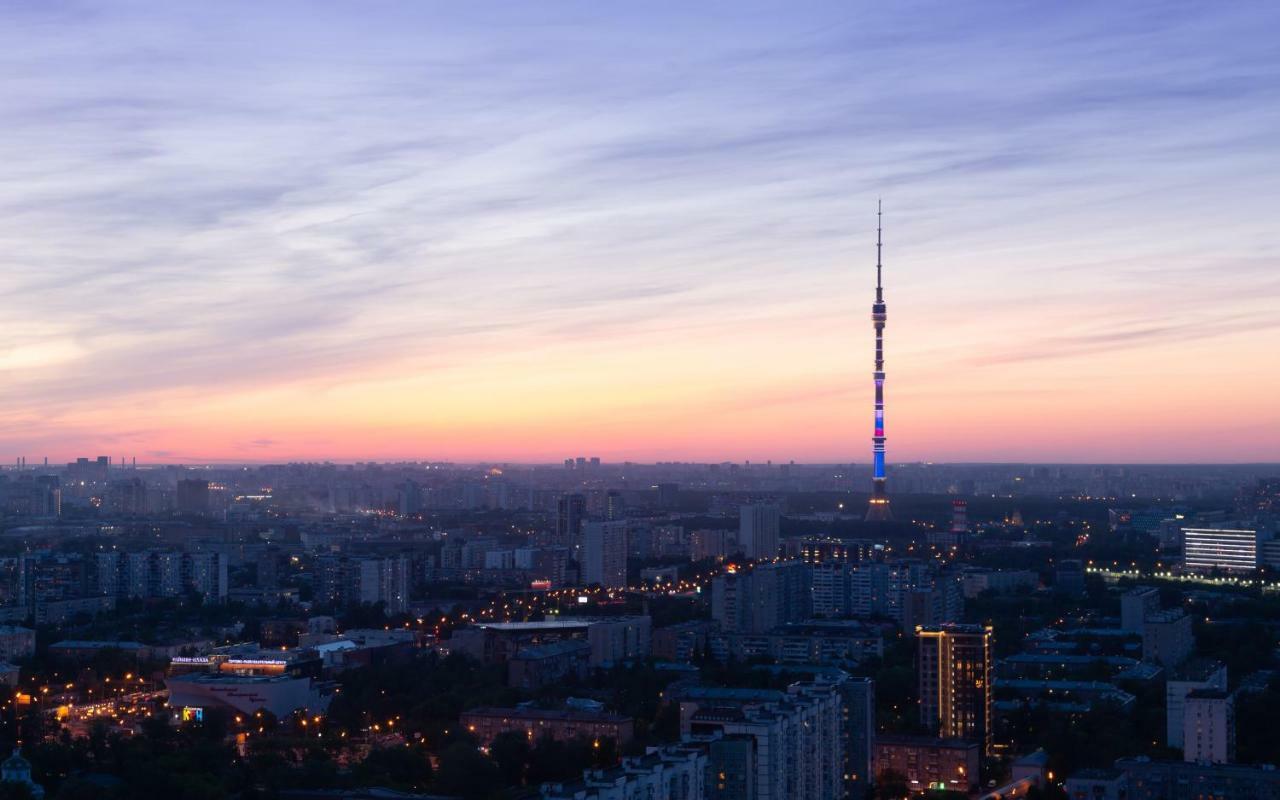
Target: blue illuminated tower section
{"type": "Point", "coordinates": [878, 506]}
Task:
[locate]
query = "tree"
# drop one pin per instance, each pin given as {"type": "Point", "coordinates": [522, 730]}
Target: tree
{"type": "Point", "coordinates": [400, 767]}
{"type": "Point", "coordinates": [553, 760]}
{"type": "Point", "coordinates": [15, 791]}
{"type": "Point", "coordinates": [891, 785]}
{"type": "Point", "coordinates": [81, 789]}
{"type": "Point", "coordinates": [510, 750]}
{"type": "Point", "coordinates": [467, 773]}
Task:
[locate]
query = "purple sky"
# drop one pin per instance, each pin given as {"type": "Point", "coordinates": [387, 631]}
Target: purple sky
{"type": "Point", "coordinates": [297, 230]}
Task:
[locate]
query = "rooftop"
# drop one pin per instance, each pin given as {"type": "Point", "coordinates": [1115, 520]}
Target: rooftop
{"type": "Point", "coordinates": [1197, 669]}
{"type": "Point", "coordinates": [552, 650]}
{"type": "Point", "coordinates": [230, 678]}
{"type": "Point", "coordinates": [1208, 694]}
{"type": "Point", "coordinates": [908, 740]}
{"type": "Point", "coordinates": [566, 715]}
{"type": "Point", "coordinates": [83, 644]}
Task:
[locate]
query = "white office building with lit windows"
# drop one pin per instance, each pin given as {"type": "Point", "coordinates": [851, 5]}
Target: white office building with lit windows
{"type": "Point", "coordinates": [1220, 548]}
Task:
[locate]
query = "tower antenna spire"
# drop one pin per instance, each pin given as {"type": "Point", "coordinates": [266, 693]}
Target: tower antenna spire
{"type": "Point", "coordinates": [879, 246]}
{"type": "Point", "coordinates": [878, 506]}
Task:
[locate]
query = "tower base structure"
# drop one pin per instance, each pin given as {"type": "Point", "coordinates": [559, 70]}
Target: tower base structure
{"type": "Point", "coordinates": [878, 509]}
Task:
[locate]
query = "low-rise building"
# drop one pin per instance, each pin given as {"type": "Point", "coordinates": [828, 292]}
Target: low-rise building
{"type": "Point", "coordinates": [613, 640]}
{"type": "Point", "coordinates": [246, 694]}
{"type": "Point", "coordinates": [16, 642]}
{"type": "Point", "coordinates": [1183, 780]}
{"type": "Point", "coordinates": [485, 724]}
{"type": "Point", "coordinates": [998, 581]}
{"type": "Point", "coordinates": [1076, 696]}
{"type": "Point", "coordinates": [1097, 784]}
{"type": "Point", "coordinates": [929, 763]}
{"type": "Point", "coordinates": [549, 664]}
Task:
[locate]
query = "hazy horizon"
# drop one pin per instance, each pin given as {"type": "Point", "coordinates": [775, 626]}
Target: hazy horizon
{"type": "Point", "coordinates": [556, 463]}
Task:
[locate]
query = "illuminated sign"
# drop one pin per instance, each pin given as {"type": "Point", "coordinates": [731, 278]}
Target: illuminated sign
{"type": "Point", "coordinates": [192, 714]}
{"type": "Point", "coordinates": [540, 585]}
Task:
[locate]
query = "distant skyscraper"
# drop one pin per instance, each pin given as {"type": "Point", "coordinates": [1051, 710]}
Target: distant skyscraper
{"type": "Point", "coordinates": [878, 507]}
{"type": "Point", "coordinates": [959, 517]}
{"type": "Point", "coordinates": [955, 681]}
{"type": "Point", "coordinates": [410, 498]}
{"type": "Point", "coordinates": [615, 506]}
{"type": "Point", "coordinates": [193, 496]}
{"type": "Point", "coordinates": [569, 514]}
{"type": "Point", "coordinates": [758, 529]}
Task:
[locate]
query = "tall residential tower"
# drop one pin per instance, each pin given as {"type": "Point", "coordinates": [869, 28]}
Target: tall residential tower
{"type": "Point", "coordinates": [955, 681]}
{"type": "Point", "coordinates": [878, 507]}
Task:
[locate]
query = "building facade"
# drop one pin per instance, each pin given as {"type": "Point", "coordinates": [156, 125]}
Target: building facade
{"type": "Point", "coordinates": [1221, 548]}
{"type": "Point", "coordinates": [955, 681]}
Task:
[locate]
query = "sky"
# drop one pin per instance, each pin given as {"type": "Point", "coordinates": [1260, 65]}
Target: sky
{"type": "Point", "coordinates": [249, 232]}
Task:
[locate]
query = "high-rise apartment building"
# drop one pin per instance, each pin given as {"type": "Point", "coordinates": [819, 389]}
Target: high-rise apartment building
{"type": "Point", "coordinates": [615, 505]}
{"type": "Point", "coordinates": [193, 496]}
{"type": "Point", "coordinates": [1195, 675]}
{"type": "Point", "coordinates": [759, 526]}
{"type": "Point", "coordinates": [604, 554]}
{"type": "Point", "coordinates": [206, 575]}
{"type": "Point", "coordinates": [823, 549]}
{"type": "Point", "coordinates": [955, 681]}
{"type": "Point", "coordinates": [571, 510]}
{"type": "Point", "coordinates": [161, 573]}
{"type": "Point", "coordinates": [793, 741]}
{"type": "Point", "coordinates": [760, 599]}
{"type": "Point", "coordinates": [344, 581]}
{"type": "Point", "coordinates": [1209, 727]}
{"type": "Point", "coordinates": [107, 572]}
{"type": "Point", "coordinates": [711, 543]}
{"type": "Point", "coordinates": [1135, 605]}
{"type": "Point", "coordinates": [1167, 637]}
{"type": "Point", "coordinates": [831, 583]}
{"type": "Point", "coordinates": [860, 737]}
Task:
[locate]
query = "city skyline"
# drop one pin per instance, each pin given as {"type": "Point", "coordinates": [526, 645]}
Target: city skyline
{"type": "Point", "coordinates": [640, 236]}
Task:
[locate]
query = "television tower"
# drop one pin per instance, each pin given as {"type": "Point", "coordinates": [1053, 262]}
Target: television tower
{"type": "Point", "coordinates": [878, 506]}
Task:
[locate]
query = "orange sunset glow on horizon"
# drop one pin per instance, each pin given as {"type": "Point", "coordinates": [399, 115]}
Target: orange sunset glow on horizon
{"type": "Point", "coordinates": [520, 251]}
